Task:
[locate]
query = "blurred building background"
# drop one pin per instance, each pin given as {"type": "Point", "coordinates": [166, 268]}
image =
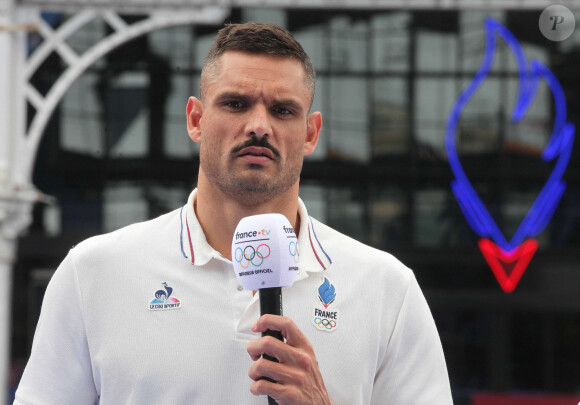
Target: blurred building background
{"type": "Point", "coordinates": [116, 151]}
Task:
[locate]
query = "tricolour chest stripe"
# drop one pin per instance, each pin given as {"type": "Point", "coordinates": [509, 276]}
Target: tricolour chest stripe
{"type": "Point", "coordinates": [181, 233]}
{"type": "Point", "coordinates": [190, 244]}
{"type": "Point", "coordinates": [319, 244]}
{"type": "Point", "coordinates": [314, 250]}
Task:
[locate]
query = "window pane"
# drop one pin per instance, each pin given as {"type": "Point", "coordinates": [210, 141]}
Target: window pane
{"type": "Point", "coordinates": [346, 212]}
{"type": "Point", "coordinates": [314, 41]}
{"type": "Point", "coordinates": [127, 112]}
{"type": "Point", "coordinates": [472, 38]}
{"type": "Point", "coordinates": [173, 46]}
{"type": "Point", "coordinates": [348, 45]}
{"type": "Point", "coordinates": [390, 121]}
{"type": "Point", "coordinates": [82, 118]}
{"type": "Point", "coordinates": [388, 217]}
{"type": "Point", "coordinates": [436, 52]}
{"type": "Point", "coordinates": [123, 204]}
{"type": "Point", "coordinates": [348, 121]}
{"type": "Point", "coordinates": [478, 129]}
{"type": "Point", "coordinates": [390, 42]}
{"type": "Point", "coordinates": [320, 103]}
{"type": "Point", "coordinates": [434, 99]}
{"type": "Point", "coordinates": [314, 197]}
{"type": "Point", "coordinates": [430, 228]}
{"type": "Point", "coordinates": [177, 143]}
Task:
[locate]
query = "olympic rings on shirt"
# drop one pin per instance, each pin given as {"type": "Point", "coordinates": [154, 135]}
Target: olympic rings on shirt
{"type": "Point", "coordinates": [250, 254]}
{"type": "Point", "coordinates": [293, 247]}
{"type": "Point", "coordinates": [324, 323]}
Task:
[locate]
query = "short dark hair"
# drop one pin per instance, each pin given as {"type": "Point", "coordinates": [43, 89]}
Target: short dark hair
{"type": "Point", "coordinates": [257, 38]}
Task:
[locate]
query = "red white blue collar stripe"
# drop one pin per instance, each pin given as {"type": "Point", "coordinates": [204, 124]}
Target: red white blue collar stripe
{"type": "Point", "coordinates": [320, 254]}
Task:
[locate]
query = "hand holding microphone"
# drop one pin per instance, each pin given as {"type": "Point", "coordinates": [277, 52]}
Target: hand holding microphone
{"type": "Point", "coordinates": [265, 256]}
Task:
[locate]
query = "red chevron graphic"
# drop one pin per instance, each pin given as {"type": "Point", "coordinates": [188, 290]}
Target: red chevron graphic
{"type": "Point", "coordinates": [508, 266]}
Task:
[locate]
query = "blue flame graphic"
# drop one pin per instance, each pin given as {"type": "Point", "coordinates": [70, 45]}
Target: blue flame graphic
{"type": "Point", "coordinates": [326, 293]}
{"type": "Point", "coordinates": [559, 145]}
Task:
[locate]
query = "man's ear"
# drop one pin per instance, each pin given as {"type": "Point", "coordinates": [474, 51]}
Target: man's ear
{"type": "Point", "coordinates": [194, 112]}
{"type": "Point", "coordinates": [314, 125]}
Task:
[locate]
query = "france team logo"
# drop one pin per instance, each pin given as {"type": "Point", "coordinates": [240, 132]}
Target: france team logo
{"type": "Point", "coordinates": [325, 319]}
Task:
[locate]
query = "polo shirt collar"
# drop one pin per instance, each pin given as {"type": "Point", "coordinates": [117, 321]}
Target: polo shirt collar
{"type": "Point", "coordinates": [196, 250]}
{"type": "Point", "coordinates": [193, 244]}
{"type": "Point", "coordinates": [313, 256]}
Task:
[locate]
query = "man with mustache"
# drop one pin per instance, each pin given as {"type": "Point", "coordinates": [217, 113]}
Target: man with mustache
{"type": "Point", "coordinates": [357, 329]}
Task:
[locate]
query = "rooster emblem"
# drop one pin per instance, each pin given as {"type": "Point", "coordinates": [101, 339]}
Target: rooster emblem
{"type": "Point", "coordinates": [164, 295]}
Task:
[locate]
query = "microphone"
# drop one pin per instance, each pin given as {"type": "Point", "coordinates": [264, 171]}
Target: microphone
{"type": "Point", "coordinates": [265, 258]}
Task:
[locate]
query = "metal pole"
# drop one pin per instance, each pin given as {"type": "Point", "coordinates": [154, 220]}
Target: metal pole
{"type": "Point", "coordinates": [7, 246]}
{"type": "Point", "coordinates": [15, 216]}
{"type": "Point", "coordinates": [7, 252]}
{"type": "Point", "coordinates": [6, 12]}
{"type": "Point", "coordinates": [16, 196]}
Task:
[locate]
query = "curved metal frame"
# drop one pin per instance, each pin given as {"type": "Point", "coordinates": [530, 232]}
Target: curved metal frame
{"type": "Point", "coordinates": [55, 41]}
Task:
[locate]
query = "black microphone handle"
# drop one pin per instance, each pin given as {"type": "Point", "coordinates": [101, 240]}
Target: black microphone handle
{"type": "Point", "coordinates": [271, 303]}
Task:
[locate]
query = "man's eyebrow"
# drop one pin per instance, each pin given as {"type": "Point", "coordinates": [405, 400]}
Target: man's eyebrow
{"type": "Point", "coordinates": [231, 95]}
{"type": "Point", "coordinates": [288, 103]}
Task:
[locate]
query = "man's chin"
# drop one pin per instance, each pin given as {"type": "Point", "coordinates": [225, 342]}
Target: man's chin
{"type": "Point", "coordinates": [256, 179]}
{"type": "Point", "coordinates": [253, 187]}
{"type": "Point", "coordinates": [253, 190]}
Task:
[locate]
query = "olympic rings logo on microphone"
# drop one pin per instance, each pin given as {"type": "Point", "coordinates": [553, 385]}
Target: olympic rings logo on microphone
{"type": "Point", "coordinates": [324, 323]}
{"type": "Point", "coordinates": [250, 255]}
{"type": "Point", "coordinates": [293, 247]}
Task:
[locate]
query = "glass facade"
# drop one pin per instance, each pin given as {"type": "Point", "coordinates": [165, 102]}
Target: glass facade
{"type": "Point", "coordinates": [117, 151]}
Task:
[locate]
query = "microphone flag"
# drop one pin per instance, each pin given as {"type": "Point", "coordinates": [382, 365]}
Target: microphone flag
{"type": "Point", "coordinates": [265, 252]}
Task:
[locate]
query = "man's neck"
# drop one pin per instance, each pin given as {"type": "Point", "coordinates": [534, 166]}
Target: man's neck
{"type": "Point", "coordinates": [218, 214]}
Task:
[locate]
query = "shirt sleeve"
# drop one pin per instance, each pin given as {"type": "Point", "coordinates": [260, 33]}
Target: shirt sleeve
{"type": "Point", "coordinates": [59, 369]}
{"type": "Point", "coordinates": [413, 370]}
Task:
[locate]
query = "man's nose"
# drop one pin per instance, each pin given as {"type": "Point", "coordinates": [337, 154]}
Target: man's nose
{"type": "Point", "coordinates": [259, 122]}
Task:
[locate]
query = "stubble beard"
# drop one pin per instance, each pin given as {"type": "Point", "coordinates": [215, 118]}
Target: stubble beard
{"type": "Point", "coordinates": [252, 185]}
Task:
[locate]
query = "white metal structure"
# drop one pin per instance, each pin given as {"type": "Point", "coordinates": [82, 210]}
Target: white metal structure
{"type": "Point", "coordinates": [18, 144]}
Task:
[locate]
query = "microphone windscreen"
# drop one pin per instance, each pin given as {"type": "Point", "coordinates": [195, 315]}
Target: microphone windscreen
{"type": "Point", "coordinates": [265, 252]}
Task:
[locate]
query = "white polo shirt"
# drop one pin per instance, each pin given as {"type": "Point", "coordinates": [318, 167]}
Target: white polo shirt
{"type": "Point", "coordinates": [151, 314]}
